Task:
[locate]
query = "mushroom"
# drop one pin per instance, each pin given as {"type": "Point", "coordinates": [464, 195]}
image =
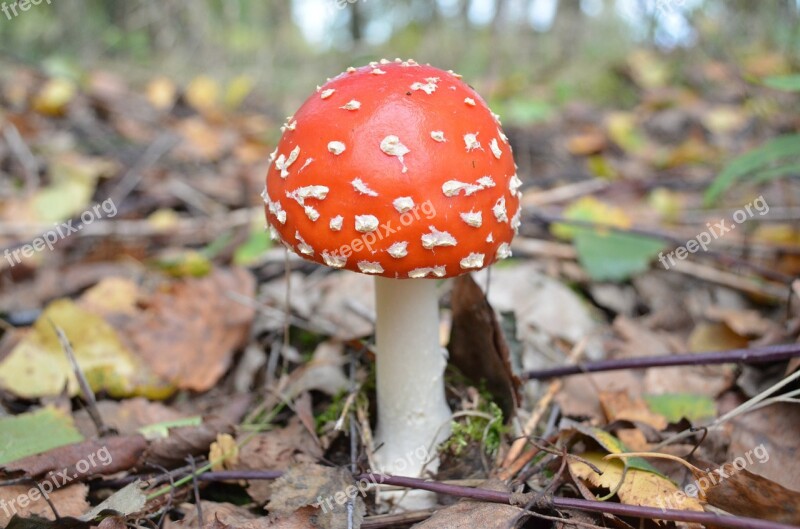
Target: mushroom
{"type": "Point", "coordinates": [412, 181]}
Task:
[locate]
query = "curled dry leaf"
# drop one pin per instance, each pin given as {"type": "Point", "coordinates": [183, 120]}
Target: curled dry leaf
{"type": "Point", "coordinates": [639, 487]}
{"type": "Point", "coordinates": [477, 346]}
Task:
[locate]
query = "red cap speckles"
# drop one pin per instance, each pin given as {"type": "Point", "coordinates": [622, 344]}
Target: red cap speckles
{"type": "Point", "coordinates": [412, 176]}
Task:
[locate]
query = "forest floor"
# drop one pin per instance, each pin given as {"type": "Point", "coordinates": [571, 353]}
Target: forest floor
{"type": "Point", "coordinates": [154, 371]}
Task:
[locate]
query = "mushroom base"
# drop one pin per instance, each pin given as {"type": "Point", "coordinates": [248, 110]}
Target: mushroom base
{"type": "Point", "coordinates": [413, 416]}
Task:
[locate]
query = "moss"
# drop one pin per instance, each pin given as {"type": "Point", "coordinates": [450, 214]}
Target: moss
{"type": "Point", "coordinates": [474, 429]}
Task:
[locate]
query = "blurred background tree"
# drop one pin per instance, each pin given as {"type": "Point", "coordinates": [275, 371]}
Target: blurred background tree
{"type": "Point", "coordinates": [525, 55]}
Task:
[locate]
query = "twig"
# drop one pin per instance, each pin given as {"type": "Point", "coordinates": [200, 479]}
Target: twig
{"type": "Point", "coordinates": [23, 154]}
{"type": "Point", "coordinates": [506, 498]}
{"type": "Point", "coordinates": [196, 489]}
{"type": "Point", "coordinates": [392, 520]}
{"type": "Point", "coordinates": [741, 409]}
{"type": "Point", "coordinates": [86, 390]}
{"type": "Point", "coordinates": [756, 355]}
{"type": "Point", "coordinates": [538, 413]}
{"type": "Point", "coordinates": [151, 155]}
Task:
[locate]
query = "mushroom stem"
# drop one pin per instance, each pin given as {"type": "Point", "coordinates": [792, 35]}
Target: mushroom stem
{"type": "Point", "coordinates": [413, 416]}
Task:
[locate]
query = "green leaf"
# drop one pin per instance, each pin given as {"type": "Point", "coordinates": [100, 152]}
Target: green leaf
{"type": "Point", "coordinates": [676, 406]}
{"type": "Point", "coordinates": [35, 432]}
{"type": "Point", "coordinates": [253, 248]}
{"type": "Point", "coordinates": [790, 83]}
{"type": "Point", "coordinates": [614, 256]}
{"type": "Point", "coordinates": [776, 153]}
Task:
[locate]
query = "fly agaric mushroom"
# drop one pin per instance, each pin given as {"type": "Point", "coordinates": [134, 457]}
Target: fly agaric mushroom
{"type": "Point", "coordinates": [401, 171]}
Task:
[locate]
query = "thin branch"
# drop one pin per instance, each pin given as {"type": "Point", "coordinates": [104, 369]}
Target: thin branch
{"type": "Point", "coordinates": [542, 502]}
{"type": "Point", "coordinates": [755, 355]}
{"type": "Point", "coordinates": [86, 390]}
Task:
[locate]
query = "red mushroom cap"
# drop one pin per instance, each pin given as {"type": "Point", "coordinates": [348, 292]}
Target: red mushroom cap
{"type": "Point", "coordinates": [395, 169]}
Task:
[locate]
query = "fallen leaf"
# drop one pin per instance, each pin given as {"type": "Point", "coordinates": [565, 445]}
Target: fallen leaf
{"type": "Point", "coordinates": [161, 93]}
{"type": "Point", "coordinates": [477, 346]}
{"type": "Point", "coordinates": [638, 487]}
{"type": "Point", "coordinates": [714, 337]}
{"type": "Point", "coordinates": [326, 488]}
{"type": "Point", "coordinates": [619, 406]}
{"type": "Point", "coordinates": [54, 96]}
{"type": "Point", "coordinates": [677, 406]}
{"type": "Point", "coordinates": [127, 500]}
{"type": "Point", "coordinates": [198, 323]}
{"type": "Point", "coordinates": [87, 458]}
{"type": "Point", "coordinates": [196, 440]}
{"type": "Point", "coordinates": [69, 501]}
{"type": "Point", "coordinates": [734, 489]}
{"type": "Point", "coordinates": [34, 432]}
{"type": "Point", "coordinates": [276, 449]}
{"type": "Point", "coordinates": [472, 514]}
{"type": "Point", "coordinates": [38, 366]}
{"type": "Point", "coordinates": [202, 93]}
{"type": "Point", "coordinates": [324, 372]}
{"type": "Point", "coordinates": [129, 416]}
{"type": "Point", "coordinates": [586, 143]}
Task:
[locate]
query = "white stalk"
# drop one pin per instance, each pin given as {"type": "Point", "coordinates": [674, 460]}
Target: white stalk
{"type": "Point", "coordinates": [413, 416]}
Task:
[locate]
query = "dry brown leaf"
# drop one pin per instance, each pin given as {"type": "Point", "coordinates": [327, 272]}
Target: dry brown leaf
{"type": "Point", "coordinates": [777, 429]}
{"type": "Point", "coordinates": [618, 405]}
{"type": "Point", "coordinates": [276, 450]}
{"type": "Point", "coordinates": [196, 440]}
{"type": "Point", "coordinates": [127, 416]}
{"type": "Point", "coordinates": [747, 323]}
{"type": "Point", "coordinates": [26, 500]}
{"type": "Point", "coordinates": [111, 454]}
{"type": "Point", "coordinates": [188, 332]}
{"type": "Point", "coordinates": [229, 516]}
{"type": "Point", "coordinates": [738, 491]}
{"type": "Point", "coordinates": [467, 514]}
{"type": "Point", "coordinates": [324, 488]}
{"type": "Point", "coordinates": [477, 346]}
{"type": "Point", "coordinates": [586, 143]}
{"type": "Point", "coordinates": [714, 337]}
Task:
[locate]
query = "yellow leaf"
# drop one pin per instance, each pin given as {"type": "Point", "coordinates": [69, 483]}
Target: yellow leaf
{"type": "Point", "coordinates": [54, 96]}
{"type": "Point", "coordinates": [714, 337]}
{"type": "Point", "coordinates": [238, 89]}
{"type": "Point", "coordinates": [638, 488]}
{"type": "Point", "coordinates": [38, 367]}
{"type": "Point", "coordinates": [589, 209]}
{"type": "Point", "coordinates": [666, 203]}
{"type": "Point", "coordinates": [202, 93]}
{"type": "Point", "coordinates": [161, 93]}
{"type": "Point", "coordinates": [623, 130]}
{"type": "Point", "coordinates": [112, 295]}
